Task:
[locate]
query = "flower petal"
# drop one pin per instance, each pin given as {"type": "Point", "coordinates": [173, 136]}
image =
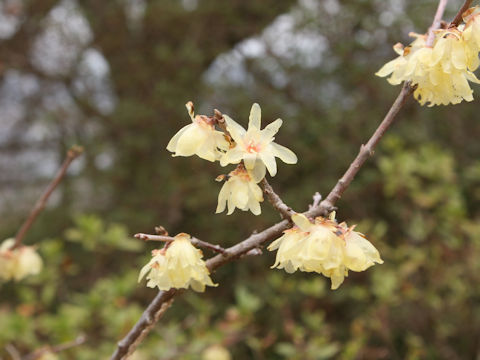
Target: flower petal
{"type": "Point", "coordinates": [270, 130]}
{"type": "Point", "coordinates": [249, 159]}
{"type": "Point", "coordinates": [258, 172]}
{"type": "Point", "coordinates": [255, 117]}
{"type": "Point", "coordinates": [285, 154]}
{"type": "Point", "coordinates": [269, 161]}
{"type": "Point", "coordinates": [302, 222]}
{"type": "Point", "coordinates": [235, 129]}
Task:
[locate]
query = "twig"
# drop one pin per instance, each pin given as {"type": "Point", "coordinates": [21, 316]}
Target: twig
{"type": "Point", "coordinates": [285, 211]}
{"type": "Point", "coordinates": [13, 352]}
{"type": "Point", "coordinates": [255, 240]}
{"type": "Point", "coordinates": [317, 197]}
{"type": "Point", "coordinates": [56, 348]}
{"type": "Point", "coordinates": [149, 318]}
{"type": "Point", "coordinates": [164, 307]}
{"type": "Point", "coordinates": [365, 152]}
{"type": "Point", "coordinates": [194, 241]}
{"type": "Point", "coordinates": [437, 21]}
{"type": "Point", "coordinates": [72, 154]}
{"type": "Point", "coordinates": [459, 17]}
{"type": "Point", "coordinates": [149, 237]}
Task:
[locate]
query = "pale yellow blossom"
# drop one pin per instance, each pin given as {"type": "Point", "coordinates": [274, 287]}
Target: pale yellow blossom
{"type": "Point", "coordinates": [256, 147]}
{"type": "Point", "coordinates": [240, 191]}
{"type": "Point", "coordinates": [48, 355]}
{"type": "Point", "coordinates": [198, 138]}
{"type": "Point", "coordinates": [471, 32]}
{"type": "Point", "coordinates": [323, 247]}
{"type": "Point", "coordinates": [178, 265]}
{"type": "Point", "coordinates": [440, 73]}
{"type": "Point", "coordinates": [216, 352]}
{"type": "Point", "coordinates": [18, 263]}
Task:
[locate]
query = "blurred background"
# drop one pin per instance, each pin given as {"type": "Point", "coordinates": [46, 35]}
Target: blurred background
{"type": "Point", "coordinates": [113, 76]}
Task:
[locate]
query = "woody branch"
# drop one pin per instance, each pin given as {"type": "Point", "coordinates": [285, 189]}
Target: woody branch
{"type": "Point", "coordinates": [72, 154]}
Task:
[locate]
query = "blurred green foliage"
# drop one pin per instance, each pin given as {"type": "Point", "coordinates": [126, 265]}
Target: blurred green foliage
{"type": "Point", "coordinates": [417, 199]}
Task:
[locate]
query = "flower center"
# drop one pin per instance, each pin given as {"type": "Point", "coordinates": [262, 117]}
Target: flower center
{"type": "Point", "coordinates": [253, 147]}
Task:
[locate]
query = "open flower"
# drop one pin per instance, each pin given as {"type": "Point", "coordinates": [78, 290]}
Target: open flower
{"type": "Point", "coordinates": [471, 32]}
{"type": "Point", "coordinates": [178, 265]}
{"type": "Point", "coordinates": [198, 138]}
{"type": "Point", "coordinates": [18, 263]}
{"type": "Point", "coordinates": [256, 147]}
{"type": "Point", "coordinates": [441, 73]}
{"type": "Point", "coordinates": [323, 247]}
{"type": "Point", "coordinates": [241, 191]}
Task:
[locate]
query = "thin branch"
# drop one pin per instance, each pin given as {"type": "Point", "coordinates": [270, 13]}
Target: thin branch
{"type": "Point", "coordinates": [163, 308]}
{"type": "Point", "coordinates": [437, 21]}
{"type": "Point", "coordinates": [56, 348]}
{"type": "Point", "coordinates": [365, 152]}
{"type": "Point", "coordinates": [13, 352]}
{"type": "Point", "coordinates": [147, 321]}
{"type": "Point", "coordinates": [285, 211]}
{"type": "Point", "coordinates": [194, 241]}
{"type": "Point", "coordinates": [459, 17]}
{"type": "Point", "coordinates": [72, 154]}
{"type": "Point", "coordinates": [149, 237]}
{"type": "Point", "coordinates": [317, 197]}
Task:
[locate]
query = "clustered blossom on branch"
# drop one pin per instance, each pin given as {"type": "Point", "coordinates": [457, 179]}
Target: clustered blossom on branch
{"type": "Point", "coordinates": [441, 72]}
{"type": "Point", "coordinates": [253, 149]}
{"type": "Point", "coordinates": [324, 247]}
{"type": "Point", "coordinates": [18, 263]}
{"type": "Point", "coordinates": [178, 265]}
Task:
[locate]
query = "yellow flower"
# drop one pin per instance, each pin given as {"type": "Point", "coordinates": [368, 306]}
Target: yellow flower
{"type": "Point", "coordinates": [240, 191]}
{"type": "Point", "coordinates": [256, 147]}
{"type": "Point", "coordinates": [48, 355]}
{"type": "Point", "coordinates": [18, 263]}
{"type": "Point", "coordinates": [471, 32]}
{"type": "Point", "coordinates": [178, 265]}
{"type": "Point", "coordinates": [441, 73]}
{"type": "Point", "coordinates": [216, 352]}
{"type": "Point", "coordinates": [323, 247]}
{"type": "Point", "coordinates": [198, 138]}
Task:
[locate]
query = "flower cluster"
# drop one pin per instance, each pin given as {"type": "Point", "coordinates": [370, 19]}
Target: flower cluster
{"type": "Point", "coordinates": [178, 265]}
{"type": "Point", "coordinates": [441, 73]}
{"type": "Point", "coordinates": [18, 263]}
{"type": "Point", "coordinates": [324, 247]}
{"type": "Point", "coordinates": [253, 149]}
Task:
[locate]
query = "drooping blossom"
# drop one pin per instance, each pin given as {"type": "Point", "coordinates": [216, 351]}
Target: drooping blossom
{"type": "Point", "coordinates": [240, 191]}
{"type": "Point", "coordinates": [198, 138]}
{"type": "Point", "coordinates": [325, 247]}
{"type": "Point", "coordinates": [441, 73]}
{"type": "Point", "coordinates": [18, 263]}
{"type": "Point", "coordinates": [178, 265]}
